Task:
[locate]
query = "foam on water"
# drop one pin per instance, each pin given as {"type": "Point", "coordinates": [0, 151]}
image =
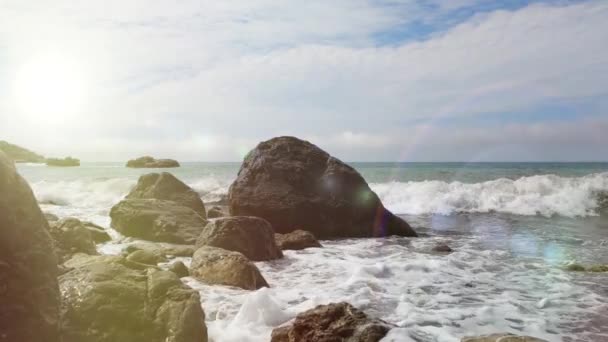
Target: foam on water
{"type": "Point", "coordinates": [543, 194]}
{"type": "Point", "coordinates": [429, 297]}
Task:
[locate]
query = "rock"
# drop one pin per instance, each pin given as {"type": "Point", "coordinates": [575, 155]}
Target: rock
{"type": "Point", "coordinates": [598, 268]}
{"type": "Point", "coordinates": [179, 269]}
{"type": "Point", "coordinates": [157, 220]}
{"type": "Point", "coordinates": [149, 162]}
{"type": "Point", "coordinates": [106, 300]}
{"type": "Point", "coordinates": [66, 162]}
{"type": "Point", "coordinates": [332, 323]}
{"type": "Point", "coordinates": [296, 240]}
{"type": "Point", "coordinates": [217, 266]}
{"type": "Point", "coordinates": [71, 237]}
{"type": "Point", "coordinates": [146, 257]}
{"type": "Point", "coordinates": [251, 236]}
{"type": "Point", "coordinates": [575, 267]}
{"type": "Point", "coordinates": [29, 295]}
{"type": "Point", "coordinates": [165, 186]}
{"type": "Point", "coordinates": [593, 268]}
{"type": "Point", "coordinates": [19, 154]}
{"type": "Point", "coordinates": [50, 217]}
{"type": "Point", "coordinates": [163, 249]}
{"type": "Point", "coordinates": [215, 212]}
{"type": "Point", "coordinates": [502, 337]}
{"type": "Point", "coordinates": [442, 248]}
{"type": "Point", "coordinates": [292, 184]}
{"type": "Point", "coordinates": [98, 234]}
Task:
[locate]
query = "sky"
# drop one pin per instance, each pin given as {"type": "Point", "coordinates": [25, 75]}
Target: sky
{"type": "Point", "coordinates": [385, 80]}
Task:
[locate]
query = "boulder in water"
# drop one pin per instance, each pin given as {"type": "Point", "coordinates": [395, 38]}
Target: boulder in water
{"type": "Point", "coordinates": [29, 295]}
{"type": "Point", "coordinates": [331, 323]}
{"type": "Point", "coordinates": [164, 249]}
{"type": "Point", "coordinates": [146, 257]}
{"type": "Point", "coordinates": [179, 269]}
{"type": "Point", "coordinates": [71, 237]}
{"type": "Point", "coordinates": [501, 337]}
{"type": "Point", "coordinates": [251, 236]}
{"type": "Point", "coordinates": [217, 266]}
{"type": "Point", "coordinates": [149, 162]}
{"type": "Point", "coordinates": [50, 217]}
{"type": "Point", "coordinates": [105, 299]}
{"type": "Point", "coordinates": [296, 240]}
{"type": "Point", "coordinates": [442, 248]}
{"type": "Point", "coordinates": [165, 186]}
{"type": "Point", "coordinates": [157, 220]}
{"type": "Point", "coordinates": [216, 212]}
{"type": "Point", "coordinates": [293, 184]}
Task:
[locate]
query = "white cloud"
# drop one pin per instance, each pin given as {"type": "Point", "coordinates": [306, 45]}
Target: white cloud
{"type": "Point", "coordinates": [212, 73]}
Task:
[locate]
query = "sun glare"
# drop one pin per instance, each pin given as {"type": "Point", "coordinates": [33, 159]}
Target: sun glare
{"type": "Point", "coordinates": [50, 88]}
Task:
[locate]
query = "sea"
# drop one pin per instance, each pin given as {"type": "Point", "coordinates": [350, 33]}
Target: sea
{"type": "Point", "coordinates": [514, 229]}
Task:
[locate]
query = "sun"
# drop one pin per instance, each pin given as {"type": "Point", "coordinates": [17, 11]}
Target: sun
{"type": "Point", "coordinates": [50, 88]}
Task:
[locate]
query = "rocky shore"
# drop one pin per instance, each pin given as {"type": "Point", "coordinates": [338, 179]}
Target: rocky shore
{"type": "Point", "coordinates": [287, 194]}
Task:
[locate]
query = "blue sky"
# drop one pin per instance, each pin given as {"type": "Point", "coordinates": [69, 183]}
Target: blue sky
{"type": "Point", "coordinates": [413, 80]}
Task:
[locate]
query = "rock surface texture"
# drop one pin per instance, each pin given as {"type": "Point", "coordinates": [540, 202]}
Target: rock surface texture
{"type": "Point", "coordinates": [293, 184]}
{"type": "Point", "coordinates": [29, 295]}
{"type": "Point", "coordinates": [106, 300]}
{"type": "Point", "coordinates": [251, 236]}
{"type": "Point", "coordinates": [217, 266]}
{"type": "Point", "coordinates": [502, 337]}
{"type": "Point", "coordinates": [296, 240]}
{"type": "Point", "coordinates": [334, 322]}
{"type": "Point", "coordinates": [165, 186]}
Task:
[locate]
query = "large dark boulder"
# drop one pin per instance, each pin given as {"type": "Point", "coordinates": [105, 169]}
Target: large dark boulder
{"type": "Point", "coordinates": [332, 323]}
{"type": "Point", "coordinates": [149, 162]}
{"type": "Point", "coordinates": [249, 235]}
{"type": "Point", "coordinates": [165, 186]}
{"type": "Point", "coordinates": [29, 295]}
{"type": "Point", "coordinates": [296, 240]}
{"type": "Point", "coordinates": [157, 220]}
{"type": "Point", "coordinates": [106, 299]}
{"type": "Point", "coordinates": [295, 185]}
{"type": "Point", "coordinates": [217, 266]}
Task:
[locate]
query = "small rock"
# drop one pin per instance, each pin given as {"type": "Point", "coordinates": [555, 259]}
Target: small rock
{"type": "Point", "coordinates": [296, 240]}
{"type": "Point", "coordinates": [501, 337]}
{"type": "Point", "coordinates": [145, 257]}
{"type": "Point", "coordinates": [149, 162]}
{"type": "Point", "coordinates": [51, 217]}
{"type": "Point", "coordinates": [332, 323]}
{"type": "Point", "coordinates": [180, 269]}
{"type": "Point", "coordinates": [442, 248]}
{"type": "Point", "coordinates": [215, 212]}
{"type": "Point", "coordinates": [217, 266]}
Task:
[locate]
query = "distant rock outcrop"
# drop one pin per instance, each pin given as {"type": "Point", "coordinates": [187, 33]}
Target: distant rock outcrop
{"type": "Point", "coordinates": [65, 162]}
{"type": "Point", "coordinates": [331, 323]}
{"type": "Point", "coordinates": [149, 162]}
{"type": "Point", "coordinates": [293, 184]}
{"type": "Point", "coordinates": [165, 186]}
{"type": "Point", "coordinates": [19, 154]}
{"type": "Point", "coordinates": [29, 295]}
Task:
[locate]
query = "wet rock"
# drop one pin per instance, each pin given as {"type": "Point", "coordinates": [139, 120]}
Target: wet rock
{"type": "Point", "coordinates": [179, 269]}
{"type": "Point", "coordinates": [215, 212]}
{"type": "Point", "coordinates": [164, 249]}
{"type": "Point", "coordinates": [98, 234]}
{"type": "Point", "coordinates": [157, 220]}
{"type": "Point", "coordinates": [292, 183]}
{"type": "Point", "coordinates": [71, 237]}
{"type": "Point", "coordinates": [165, 186]}
{"type": "Point", "coordinates": [104, 300]}
{"type": "Point", "coordinates": [29, 295]}
{"type": "Point", "coordinates": [593, 268]}
{"type": "Point", "coordinates": [442, 248]}
{"type": "Point", "coordinates": [332, 323]}
{"type": "Point", "coordinates": [251, 236]}
{"type": "Point", "coordinates": [146, 257]}
{"type": "Point", "coordinates": [50, 217]}
{"type": "Point", "coordinates": [296, 240]}
{"type": "Point", "coordinates": [149, 162]}
{"type": "Point", "coordinates": [501, 337]}
{"type": "Point", "coordinates": [217, 266]}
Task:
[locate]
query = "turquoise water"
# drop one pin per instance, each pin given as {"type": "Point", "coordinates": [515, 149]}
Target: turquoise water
{"type": "Point", "coordinates": [514, 228]}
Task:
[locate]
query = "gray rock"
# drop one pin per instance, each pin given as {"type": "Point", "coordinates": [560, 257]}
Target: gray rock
{"type": "Point", "coordinates": [179, 269]}
{"type": "Point", "coordinates": [332, 323]}
{"type": "Point", "coordinates": [296, 240]}
{"type": "Point", "coordinates": [29, 295]}
{"type": "Point", "coordinates": [165, 186]}
{"type": "Point", "coordinates": [442, 248]}
{"type": "Point", "coordinates": [294, 185]}
{"type": "Point", "coordinates": [105, 300]}
{"type": "Point", "coordinates": [149, 162]}
{"type": "Point", "coordinates": [216, 212]}
{"type": "Point", "coordinates": [71, 237]}
{"type": "Point", "coordinates": [502, 337]}
{"type": "Point", "coordinates": [251, 236]}
{"type": "Point", "coordinates": [146, 257]}
{"type": "Point", "coordinates": [157, 220]}
{"type": "Point", "coordinates": [50, 217]}
{"type": "Point", "coordinates": [217, 266]}
{"type": "Point", "coordinates": [164, 249]}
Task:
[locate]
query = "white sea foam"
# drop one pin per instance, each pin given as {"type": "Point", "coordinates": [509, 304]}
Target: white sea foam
{"type": "Point", "coordinates": [543, 194]}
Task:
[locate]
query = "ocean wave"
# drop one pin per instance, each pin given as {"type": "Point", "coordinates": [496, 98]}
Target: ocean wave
{"type": "Point", "coordinates": [545, 195]}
